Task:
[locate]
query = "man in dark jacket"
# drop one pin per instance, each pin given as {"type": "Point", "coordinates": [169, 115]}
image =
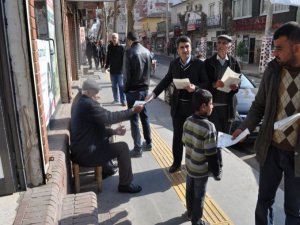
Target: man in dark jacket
{"type": "Point", "coordinates": [90, 136]}
{"type": "Point", "coordinates": [101, 53]}
{"type": "Point", "coordinates": [114, 61]}
{"type": "Point", "coordinates": [185, 66]}
{"type": "Point", "coordinates": [278, 151]}
{"type": "Point", "coordinates": [137, 68]}
{"type": "Point", "coordinates": [224, 103]}
{"type": "Point", "coordinates": [89, 51]}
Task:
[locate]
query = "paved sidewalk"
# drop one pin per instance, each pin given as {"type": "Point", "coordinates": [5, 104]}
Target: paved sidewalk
{"type": "Point", "coordinates": [158, 203]}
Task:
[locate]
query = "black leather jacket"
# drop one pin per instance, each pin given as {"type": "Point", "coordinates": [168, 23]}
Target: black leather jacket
{"type": "Point", "coordinates": [136, 68]}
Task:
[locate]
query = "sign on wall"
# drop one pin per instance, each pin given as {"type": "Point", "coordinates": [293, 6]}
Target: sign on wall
{"type": "Point", "coordinates": [47, 79]}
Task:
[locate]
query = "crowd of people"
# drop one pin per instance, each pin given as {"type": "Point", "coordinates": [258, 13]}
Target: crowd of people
{"type": "Point", "coordinates": [199, 111]}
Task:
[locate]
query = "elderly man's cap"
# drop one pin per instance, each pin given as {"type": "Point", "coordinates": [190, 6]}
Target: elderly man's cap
{"type": "Point", "coordinates": [132, 36]}
{"type": "Point", "coordinates": [226, 37]}
{"type": "Point", "coordinates": [90, 84]}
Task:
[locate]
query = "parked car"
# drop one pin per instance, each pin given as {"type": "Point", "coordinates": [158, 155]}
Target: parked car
{"type": "Point", "coordinates": [245, 97]}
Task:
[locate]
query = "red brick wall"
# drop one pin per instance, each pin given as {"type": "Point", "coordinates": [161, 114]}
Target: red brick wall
{"type": "Point", "coordinates": [37, 75]}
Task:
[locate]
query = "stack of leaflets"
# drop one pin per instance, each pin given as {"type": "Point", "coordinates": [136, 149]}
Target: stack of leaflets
{"type": "Point", "coordinates": [283, 124]}
{"type": "Point", "coordinates": [181, 83]}
{"type": "Point", "coordinates": [229, 77]}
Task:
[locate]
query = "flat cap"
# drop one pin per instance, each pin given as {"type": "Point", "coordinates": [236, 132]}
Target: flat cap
{"type": "Point", "coordinates": [224, 36]}
{"type": "Point", "coordinates": [90, 84]}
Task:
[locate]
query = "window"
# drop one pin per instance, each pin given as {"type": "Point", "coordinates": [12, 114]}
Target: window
{"type": "Point", "coordinates": [242, 8]}
{"type": "Point", "coordinates": [277, 8]}
{"type": "Point", "coordinates": [211, 12]}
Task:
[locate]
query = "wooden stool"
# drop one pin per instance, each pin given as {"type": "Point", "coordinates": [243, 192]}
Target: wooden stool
{"type": "Point", "coordinates": [98, 177]}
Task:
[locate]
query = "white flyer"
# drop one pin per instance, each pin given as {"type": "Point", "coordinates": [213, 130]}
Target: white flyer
{"type": "Point", "coordinates": [283, 124]}
{"type": "Point", "coordinates": [229, 77]}
{"type": "Point", "coordinates": [181, 83]}
{"type": "Point", "coordinates": [225, 140]}
{"type": "Point", "coordinates": [139, 103]}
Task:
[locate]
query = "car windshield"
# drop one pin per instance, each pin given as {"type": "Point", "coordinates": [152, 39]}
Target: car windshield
{"type": "Point", "coordinates": [246, 83]}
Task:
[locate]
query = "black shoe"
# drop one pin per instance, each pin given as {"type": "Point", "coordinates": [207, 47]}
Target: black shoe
{"type": "Point", "coordinates": [130, 188]}
{"type": "Point", "coordinates": [109, 173]}
{"type": "Point", "coordinates": [174, 168]}
{"type": "Point", "coordinates": [146, 147]}
{"type": "Point", "coordinates": [136, 153]}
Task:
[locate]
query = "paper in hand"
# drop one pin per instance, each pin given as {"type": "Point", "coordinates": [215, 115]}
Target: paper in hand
{"type": "Point", "coordinates": [229, 77]}
{"type": "Point", "coordinates": [225, 140]}
{"type": "Point", "coordinates": [139, 103]}
{"type": "Point", "coordinates": [181, 83]}
{"type": "Point", "coordinates": [283, 124]}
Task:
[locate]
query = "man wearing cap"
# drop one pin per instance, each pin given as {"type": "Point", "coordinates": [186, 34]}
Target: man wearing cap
{"type": "Point", "coordinates": [224, 103]}
{"type": "Point", "coordinates": [90, 137]}
{"type": "Point", "coordinates": [137, 67]}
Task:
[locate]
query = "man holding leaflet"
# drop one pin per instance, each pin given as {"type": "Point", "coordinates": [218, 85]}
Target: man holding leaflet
{"type": "Point", "coordinates": [277, 151]}
{"type": "Point", "coordinates": [185, 66]}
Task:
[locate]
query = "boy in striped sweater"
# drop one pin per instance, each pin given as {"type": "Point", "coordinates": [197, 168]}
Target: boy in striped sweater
{"type": "Point", "coordinates": [200, 140]}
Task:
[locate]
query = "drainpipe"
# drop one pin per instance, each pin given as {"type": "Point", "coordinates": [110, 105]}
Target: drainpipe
{"type": "Point", "coordinates": [61, 57]}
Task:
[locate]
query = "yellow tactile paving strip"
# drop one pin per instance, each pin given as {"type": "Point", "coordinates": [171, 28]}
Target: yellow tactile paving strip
{"type": "Point", "coordinates": [163, 154]}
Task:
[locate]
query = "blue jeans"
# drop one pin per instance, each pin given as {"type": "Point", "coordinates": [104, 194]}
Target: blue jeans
{"type": "Point", "coordinates": [134, 121]}
{"type": "Point", "coordinates": [195, 194]}
{"type": "Point", "coordinates": [117, 82]}
{"type": "Point", "coordinates": [278, 163]}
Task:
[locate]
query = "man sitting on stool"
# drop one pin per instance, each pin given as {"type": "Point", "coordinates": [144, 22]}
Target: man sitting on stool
{"type": "Point", "coordinates": [90, 145]}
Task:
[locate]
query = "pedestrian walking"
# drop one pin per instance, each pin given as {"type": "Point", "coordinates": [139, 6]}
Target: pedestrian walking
{"type": "Point", "coordinates": [201, 159]}
{"type": "Point", "coordinates": [95, 53]}
{"type": "Point", "coordinates": [101, 53]}
{"type": "Point", "coordinates": [137, 69]}
{"type": "Point", "coordinates": [185, 66]}
{"type": "Point", "coordinates": [89, 51]}
{"type": "Point", "coordinates": [114, 61]}
{"type": "Point", "coordinates": [278, 152]}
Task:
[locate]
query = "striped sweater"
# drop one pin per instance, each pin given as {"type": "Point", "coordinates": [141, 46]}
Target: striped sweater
{"type": "Point", "coordinates": [200, 140]}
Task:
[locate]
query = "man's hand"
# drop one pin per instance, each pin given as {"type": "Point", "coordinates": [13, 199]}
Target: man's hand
{"type": "Point", "coordinates": [236, 133]}
{"type": "Point", "coordinates": [137, 108]}
{"type": "Point", "coordinates": [121, 130]}
{"type": "Point", "coordinates": [150, 97]}
{"type": "Point", "coordinates": [219, 84]}
{"type": "Point", "coordinates": [190, 88]}
{"type": "Point", "coordinates": [234, 87]}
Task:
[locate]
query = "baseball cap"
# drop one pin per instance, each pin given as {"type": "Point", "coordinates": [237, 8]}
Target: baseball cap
{"type": "Point", "coordinates": [224, 36]}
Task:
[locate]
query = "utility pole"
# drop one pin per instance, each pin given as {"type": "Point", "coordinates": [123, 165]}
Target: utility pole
{"type": "Point", "coordinates": [269, 19]}
{"type": "Point", "coordinates": [266, 51]}
{"type": "Point", "coordinates": [167, 23]}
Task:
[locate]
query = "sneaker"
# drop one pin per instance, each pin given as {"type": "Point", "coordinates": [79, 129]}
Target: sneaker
{"type": "Point", "coordinates": [124, 104]}
{"type": "Point", "coordinates": [187, 216]}
{"type": "Point", "coordinates": [115, 102]}
{"type": "Point", "coordinates": [130, 188]}
{"type": "Point", "coordinates": [146, 147]}
{"type": "Point", "coordinates": [136, 153]}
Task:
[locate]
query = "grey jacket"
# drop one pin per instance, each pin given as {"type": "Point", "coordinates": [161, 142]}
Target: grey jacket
{"type": "Point", "coordinates": [264, 107]}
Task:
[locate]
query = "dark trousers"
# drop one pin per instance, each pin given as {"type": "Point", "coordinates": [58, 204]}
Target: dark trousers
{"type": "Point", "coordinates": [120, 151]}
{"type": "Point", "coordinates": [278, 163]}
{"type": "Point", "coordinates": [177, 145]}
{"type": "Point", "coordinates": [90, 61]}
{"type": "Point", "coordinates": [195, 195]}
{"type": "Point", "coordinates": [134, 120]}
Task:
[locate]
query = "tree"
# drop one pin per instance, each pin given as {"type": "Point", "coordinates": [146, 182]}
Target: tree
{"type": "Point", "coordinates": [130, 16]}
